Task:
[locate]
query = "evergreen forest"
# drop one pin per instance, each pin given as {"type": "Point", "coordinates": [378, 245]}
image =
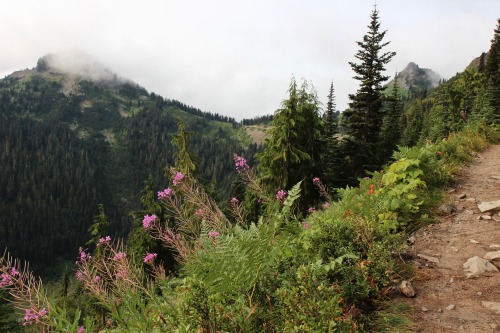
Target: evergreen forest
{"type": "Point", "coordinates": [143, 214]}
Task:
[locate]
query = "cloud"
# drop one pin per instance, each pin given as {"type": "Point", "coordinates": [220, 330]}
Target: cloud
{"type": "Point", "coordinates": [237, 57]}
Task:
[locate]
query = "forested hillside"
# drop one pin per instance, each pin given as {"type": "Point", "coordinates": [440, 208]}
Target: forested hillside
{"type": "Point", "coordinates": [70, 142]}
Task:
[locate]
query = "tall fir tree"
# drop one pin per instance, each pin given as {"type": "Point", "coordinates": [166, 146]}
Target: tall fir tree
{"type": "Point", "coordinates": [291, 153]}
{"type": "Point", "coordinates": [365, 113]}
{"type": "Point", "coordinates": [332, 156]}
{"type": "Point", "coordinates": [184, 158]}
{"type": "Point", "coordinates": [390, 132]}
{"type": "Point", "coordinates": [492, 71]}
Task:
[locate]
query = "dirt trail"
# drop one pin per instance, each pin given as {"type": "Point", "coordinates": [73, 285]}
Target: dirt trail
{"type": "Point", "coordinates": [447, 301]}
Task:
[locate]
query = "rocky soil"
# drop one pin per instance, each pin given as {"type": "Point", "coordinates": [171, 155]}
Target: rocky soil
{"type": "Point", "coordinates": [451, 297]}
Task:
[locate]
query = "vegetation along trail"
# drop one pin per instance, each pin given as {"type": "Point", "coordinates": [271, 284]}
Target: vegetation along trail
{"type": "Point", "coordinates": [451, 297]}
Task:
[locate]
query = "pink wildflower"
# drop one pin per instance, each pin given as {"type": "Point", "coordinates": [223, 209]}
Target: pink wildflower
{"type": "Point", "coordinates": [326, 205]}
{"type": "Point", "coordinates": [177, 178]}
{"type": "Point", "coordinates": [281, 195]}
{"type": "Point", "coordinates": [150, 257]}
{"type": "Point", "coordinates": [311, 210]}
{"type": "Point", "coordinates": [316, 181]}
{"type": "Point", "coordinates": [85, 256]}
{"type": "Point", "coordinates": [241, 164]}
{"type": "Point", "coordinates": [80, 329]}
{"type": "Point", "coordinates": [199, 213]}
{"type": "Point", "coordinates": [306, 225]}
{"type": "Point", "coordinates": [119, 256]}
{"type": "Point", "coordinates": [6, 280]}
{"type": "Point", "coordinates": [166, 193]}
{"type": "Point", "coordinates": [234, 200]}
{"type": "Point", "coordinates": [97, 278]}
{"type": "Point", "coordinates": [148, 220]}
{"type": "Point", "coordinates": [213, 234]}
{"type": "Point", "coordinates": [79, 275]}
{"type": "Point", "coordinates": [103, 240]}
{"type": "Point", "coordinates": [14, 272]}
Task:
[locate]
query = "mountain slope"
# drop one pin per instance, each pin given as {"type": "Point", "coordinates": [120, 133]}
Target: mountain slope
{"type": "Point", "coordinates": [74, 138]}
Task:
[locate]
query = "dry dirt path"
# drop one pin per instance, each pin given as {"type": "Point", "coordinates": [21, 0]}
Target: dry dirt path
{"type": "Point", "coordinates": [447, 301]}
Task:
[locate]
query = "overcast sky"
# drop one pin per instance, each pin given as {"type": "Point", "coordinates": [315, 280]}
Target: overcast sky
{"type": "Point", "coordinates": [236, 57]}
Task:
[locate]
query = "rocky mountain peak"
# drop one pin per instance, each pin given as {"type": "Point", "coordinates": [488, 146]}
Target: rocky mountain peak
{"type": "Point", "coordinates": [414, 77]}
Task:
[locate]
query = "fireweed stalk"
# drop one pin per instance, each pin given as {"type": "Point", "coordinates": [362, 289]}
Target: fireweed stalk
{"type": "Point", "coordinates": [237, 211]}
{"type": "Point", "coordinates": [322, 189]}
{"type": "Point", "coordinates": [110, 274]}
{"type": "Point", "coordinates": [26, 291]}
{"type": "Point", "coordinates": [248, 176]}
{"type": "Point", "coordinates": [189, 196]}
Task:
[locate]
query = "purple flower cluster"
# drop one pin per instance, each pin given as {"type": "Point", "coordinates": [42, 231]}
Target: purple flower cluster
{"type": "Point", "coordinates": [32, 317]}
{"type": "Point", "coordinates": [213, 234]}
{"type": "Point", "coordinates": [241, 164]}
{"type": "Point", "coordinates": [199, 213]}
{"type": "Point", "coordinates": [120, 256]}
{"type": "Point", "coordinates": [80, 329]}
{"type": "Point", "coordinates": [6, 280]}
{"type": "Point", "coordinates": [150, 257]}
{"type": "Point", "coordinates": [177, 178]}
{"type": "Point", "coordinates": [166, 193]}
{"type": "Point", "coordinates": [311, 210]}
{"type": "Point", "coordinates": [148, 220]}
{"type": "Point", "coordinates": [316, 181]}
{"type": "Point", "coordinates": [103, 240]}
{"type": "Point", "coordinates": [234, 201]}
{"type": "Point", "coordinates": [85, 256]}
{"type": "Point", "coordinates": [281, 195]}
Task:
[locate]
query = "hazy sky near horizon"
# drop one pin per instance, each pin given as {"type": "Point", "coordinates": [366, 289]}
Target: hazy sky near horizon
{"type": "Point", "coordinates": [235, 57]}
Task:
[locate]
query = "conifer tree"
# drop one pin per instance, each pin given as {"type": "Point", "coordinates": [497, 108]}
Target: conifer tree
{"type": "Point", "coordinates": [184, 158]}
{"type": "Point", "coordinates": [390, 133]}
{"type": "Point", "coordinates": [332, 154]}
{"type": "Point", "coordinates": [100, 226]}
{"type": "Point", "coordinates": [365, 112]}
{"type": "Point", "coordinates": [291, 153]}
{"type": "Point", "coordinates": [492, 71]}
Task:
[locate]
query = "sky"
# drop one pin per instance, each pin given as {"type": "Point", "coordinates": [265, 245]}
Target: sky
{"type": "Point", "coordinates": [237, 57]}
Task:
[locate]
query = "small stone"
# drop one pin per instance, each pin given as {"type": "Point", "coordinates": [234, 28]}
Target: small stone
{"type": "Point", "coordinates": [424, 309]}
{"type": "Point", "coordinates": [406, 289]}
{"type": "Point", "coordinates": [447, 208]}
{"type": "Point", "coordinates": [485, 217]}
{"type": "Point", "coordinates": [450, 307]}
{"type": "Point", "coordinates": [454, 249]}
{"type": "Point", "coordinates": [411, 240]}
{"type": "Point", "coordinates": [476, 266]}
{"type": "Point", "coordinates": [469, 212]}
{"type": "Point", "coordinates": [495, 306]}
{"type": "Point", "coordinates": [428, 258]}
{"type": "Point", "coordinates": [473, 241]}
{"type": "Point", "coordinates": [479, 293]}
{"type": "Point", "coordinates": [462, 196]}
{"type": "Point", "coordinates": [452, 280]}
{"type": "Point", "coordinates": [494, 326]}
{"type": "Point", "coordinates": [494, 246]}
{"type": "Point", "coordinates": [489, 205]}
{"type": "Point", "coordinates": [496, 177]}
{"type": "Point", "coordinates": [492, 255]}
{"type": "Point", "coordinates": [471, 199]}
{"type": "Point", "coordinates": [439, 310]}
